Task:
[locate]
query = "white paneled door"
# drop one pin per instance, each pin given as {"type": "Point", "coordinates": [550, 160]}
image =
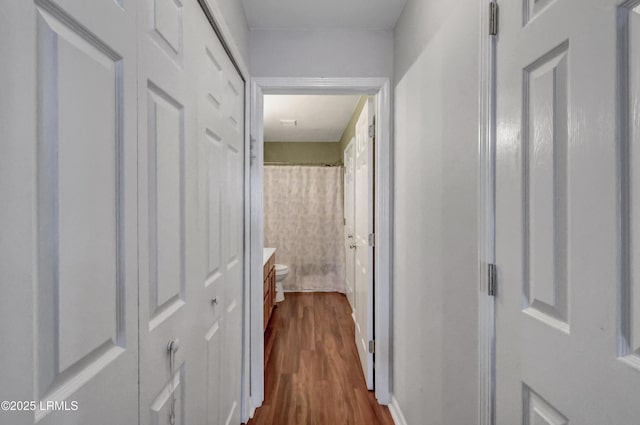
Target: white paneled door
{"type": "Point", "coordinates": [68, 244]}
{"type": "Point", "coordinates": [121, 177]}
{"type": "Point", "coordinates": [220, 100]}
{"type": "Point", "coordinates": [191, 118]}
{"type": "Point", "coordinates": [170, 291]}
{"type": "Point", "coordinates": [349, 220]}
{"type": "Point", "coordinates": [363, 239]}
{"type": "Point", "coordinates": [567, 204]}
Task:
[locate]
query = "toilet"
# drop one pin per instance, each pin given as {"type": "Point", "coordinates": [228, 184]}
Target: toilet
{"type": "Point", "coordinates": [281, 274]}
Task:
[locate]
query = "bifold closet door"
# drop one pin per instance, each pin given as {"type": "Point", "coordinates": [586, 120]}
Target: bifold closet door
{"type": "Point", "coordinates": [220, 99]}
{"type": "Point", "coordinates": [171, 294]}
{"type": "Point", "coordinates": [191, 121]}
{"type": "Point", "coordinates": [68, 244]}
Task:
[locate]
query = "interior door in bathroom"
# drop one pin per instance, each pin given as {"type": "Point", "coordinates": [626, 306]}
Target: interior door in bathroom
{"type": "Point", "coordinates": [363, 240]}
{"type": "Point", "coordinates": [349, 221]}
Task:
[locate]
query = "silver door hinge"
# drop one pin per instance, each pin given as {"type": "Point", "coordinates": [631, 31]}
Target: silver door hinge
{"type": "Point", "coordinates": [372, 239]}
{"type": "Point", "coordinates": [371, 130]}
{"type": "Point", "coordinates": [493, 18]}
{"type": "Point", "coordinates": [372, 346]}
{"type": "Point", "coordinates": [492, 279]}
{"type": "Point", "coordinates": [252, 155]}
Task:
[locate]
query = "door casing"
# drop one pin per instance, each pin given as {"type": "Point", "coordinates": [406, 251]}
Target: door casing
{"type": "Point", "coordinates": [486, 216]}
{"type": "Point", "coordinates": [383, 225]}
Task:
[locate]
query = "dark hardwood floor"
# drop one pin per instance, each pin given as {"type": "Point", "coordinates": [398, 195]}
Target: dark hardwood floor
{"type": "Point", "coordinates": [313, 375]}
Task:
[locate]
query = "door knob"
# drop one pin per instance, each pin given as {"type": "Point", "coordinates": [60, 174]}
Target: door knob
{"type": "Point", "coordinates": [350, 236]}
{"type": "Point", "coordinates": [352, 245]}
{"type": "Point", "coordinates": [214, 301]}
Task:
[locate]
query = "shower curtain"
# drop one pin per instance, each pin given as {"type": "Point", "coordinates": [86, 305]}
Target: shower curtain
{"type": "Point", "coordinates": [304, 222]}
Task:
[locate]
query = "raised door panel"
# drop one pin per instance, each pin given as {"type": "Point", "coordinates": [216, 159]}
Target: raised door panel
{"type": "Point", "coordinates": [68, 141]}
{"type": "Point", "coordinates": [537, 411]}
{"type": "Point", "coordinates": [546, 188]}
{"type": "Point", "coordinates": [167, 27]}
{"type": "Point", "coordinates": [214, 374]}
{"type": "Point", "coordinates": [231, 373]}
{"type": "Point", "coordinates": [166, 204]}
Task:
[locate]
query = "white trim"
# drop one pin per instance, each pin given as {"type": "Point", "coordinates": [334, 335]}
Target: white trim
{"type": "Point", "coordinates": [246, 411]}
{"type": "Point", "coordinates": [256, 285]}
{"type": "Point", "coordinates": [293, 291]}
{"type": "Point", "coordinates": [396, 412]}
{"type": "Point", "coordinates": [383, 223]}
{"type": "Point", "coordinates": [486, 219]}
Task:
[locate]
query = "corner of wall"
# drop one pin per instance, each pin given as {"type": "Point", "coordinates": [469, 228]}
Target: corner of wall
{"type": "Point", "coordinates": [396, 412]}
{"type": "Point", "coordinates": [231, 20]}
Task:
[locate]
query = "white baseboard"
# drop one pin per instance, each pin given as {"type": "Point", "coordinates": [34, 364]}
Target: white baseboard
{"type": "Point", "coordinates": [293, 291]}
{"type": "Point", "coordinates": [396, 413]}
{"type": "Point", "coordinates": [252, 408]}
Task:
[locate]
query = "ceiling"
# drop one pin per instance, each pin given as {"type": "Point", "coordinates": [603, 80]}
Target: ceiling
{"type": "Point", "coordinates": [319, 118]}
{"type": "Point", "coordinates": [316, 14]}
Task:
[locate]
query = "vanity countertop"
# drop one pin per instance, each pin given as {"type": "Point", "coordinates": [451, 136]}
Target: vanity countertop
{"type": "Point", "coordinates": [267, 253]}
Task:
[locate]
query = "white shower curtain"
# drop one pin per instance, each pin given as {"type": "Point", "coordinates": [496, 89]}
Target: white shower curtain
{"type": "Point", "coordinates": [304, 222]}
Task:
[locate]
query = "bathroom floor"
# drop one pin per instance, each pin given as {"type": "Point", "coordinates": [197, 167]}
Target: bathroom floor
{"type": "Point", "coordinates": [313, 375]}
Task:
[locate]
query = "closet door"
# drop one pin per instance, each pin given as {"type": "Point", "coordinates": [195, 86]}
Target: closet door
{"type": "Point", "coordinates": [220, 98]}
{"type": "Point", "coordinates": [191, 219]}
{"type": "Point", "coordinates": [68, 254]}
{"type": "Point", "coordinates": [171, 381]}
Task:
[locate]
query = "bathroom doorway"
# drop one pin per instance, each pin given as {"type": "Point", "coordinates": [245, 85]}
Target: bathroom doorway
{"type": "Point", "coordinates": [298, 213]}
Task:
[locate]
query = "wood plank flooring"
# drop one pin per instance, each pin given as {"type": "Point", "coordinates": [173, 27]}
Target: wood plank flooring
{"type": "Point", "coordinates": [313, 374]}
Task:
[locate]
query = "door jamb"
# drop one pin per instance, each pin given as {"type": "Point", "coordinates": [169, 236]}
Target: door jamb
{"type": "Point", "coordinates": [382, 226]}
{"type": "Point", "coordinates": [486, 217]}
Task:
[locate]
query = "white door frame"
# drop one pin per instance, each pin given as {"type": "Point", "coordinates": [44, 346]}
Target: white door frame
{"type": "Point", "coordinates": [486, 218]}
{"type": "Point", "coordinates": [383, 218]}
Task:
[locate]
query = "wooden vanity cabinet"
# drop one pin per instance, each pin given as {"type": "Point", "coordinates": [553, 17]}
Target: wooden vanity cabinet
{"type": "Point", "coordinates": [269, 274]}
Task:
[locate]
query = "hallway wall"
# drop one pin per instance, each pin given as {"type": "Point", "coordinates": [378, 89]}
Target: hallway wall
{"type": "Point", "coordinates": [321, 53]}
{"type": "Point", "coordinates": [435, 245]}
{"type": "Point", "coordinates": [230, 17]}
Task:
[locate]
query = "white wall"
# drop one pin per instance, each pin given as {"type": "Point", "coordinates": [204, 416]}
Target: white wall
{"type": "Point", "coordinates": [435, 246]}
{"type": "Point", "coordinates": [321, 53]}
{"type": "Point", "coordinates": [230, 17]}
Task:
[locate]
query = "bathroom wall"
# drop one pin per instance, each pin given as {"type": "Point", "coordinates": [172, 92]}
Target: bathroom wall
{"type": "Point", "coordinates": [303, 152]}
